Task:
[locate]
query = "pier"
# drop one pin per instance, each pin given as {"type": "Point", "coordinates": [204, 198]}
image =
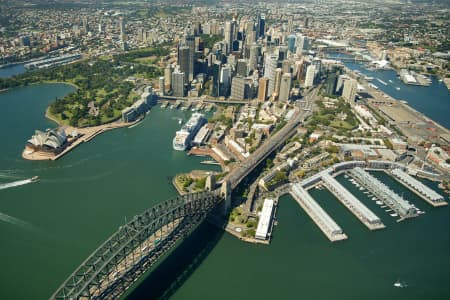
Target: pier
{"type": "Point", "coordinates": [382, 192]}
{"type": "Point", "coordinates": [317, 214]}
{"type": "Point", "coordinates": [419, 188]}
{"type": "Point", "coordinates": [365, 215]}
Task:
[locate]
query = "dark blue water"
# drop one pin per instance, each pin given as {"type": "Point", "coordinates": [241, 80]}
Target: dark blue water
{"type": "Point", "coordinates": [433, 101]}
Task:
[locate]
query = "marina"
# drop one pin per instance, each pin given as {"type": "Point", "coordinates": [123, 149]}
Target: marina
{"type": "Point", "coordinates": [384, 194]}
{"type": "Point", "coordinates": [419, 188]}
{"type": "Point", "coordinates": [365, 215]}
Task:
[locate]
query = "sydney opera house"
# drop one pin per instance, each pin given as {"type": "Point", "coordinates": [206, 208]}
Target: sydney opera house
{"type": "Point", "coordinates": [51, 140]}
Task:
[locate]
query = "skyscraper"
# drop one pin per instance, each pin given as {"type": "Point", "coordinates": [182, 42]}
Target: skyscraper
{"type": "Point", "coordinates": [276, 90]}
{"type": "Point", "coordinates": [122, 28]}
{"type": "Point", "coordinates": [228, 35]}
{"type": "Point", "coordinates": [238, 88]}
{"type": "Point", "coordinates": [261, 26]}
{"type": "Point", "coordinates": [250, 33]}
{"type": "Point", "coordinates": [285, 87]}
{"type": "Point", "coordinates": [310, 76]}
{"type": "Point", "coordinates": [225, 81]}
{"type": "Point", "coordinates": [291, 43]}
{"type": "Point", "coordinates": [183, 61]}
{"type": "Point", "coordinates": [253, 60]}
{"type": "Point", "coordinates": [269, 71]}
{"type": "Point", "coordinates": [178, 83]}
{"type": "Point", "coordinates": [262, 89]}
{"type": "Point", "coordinates": [349, 92]}
{"type": "Point", "coordinates": [162, 87]}
{"type": "Point", "coordinates": [290, 27]}
{"type": "Point", "coordinates": [190, 42]}
{"type": "Point", "coordinates": [168, 78]}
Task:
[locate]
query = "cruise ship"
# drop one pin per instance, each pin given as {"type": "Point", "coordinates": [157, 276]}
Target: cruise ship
{"type": "Point", "coordinates": [183, 137]}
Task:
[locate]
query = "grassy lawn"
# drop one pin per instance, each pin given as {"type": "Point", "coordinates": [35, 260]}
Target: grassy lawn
{"type": "Point", "coordinates": [341, 125]}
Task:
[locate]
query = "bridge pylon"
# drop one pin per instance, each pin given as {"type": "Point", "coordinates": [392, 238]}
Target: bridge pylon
{"type": "Point", "coordinates": [225, 192]}
{"type": "Point", "coordinates": [210, 183]}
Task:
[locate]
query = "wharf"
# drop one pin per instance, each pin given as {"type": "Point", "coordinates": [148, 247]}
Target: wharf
{"type": "Point", "coordinates": [418, 188]}
{"type": "Point", "coordinates": [358, 209]}
{"type": "Point", "coordinates": [326, 224]}
{"type": "Point", "coordinates": [402, 207]}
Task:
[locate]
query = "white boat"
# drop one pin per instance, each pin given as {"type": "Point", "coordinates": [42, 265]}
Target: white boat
{"type": "Point", "coordinates": [379, 203]}
{"type": "Point", "coordinates": [383, 82]}
{"type": "Point", "coordinates": [390, 81]}
{"type": "Point", "coordinates": [399, 284]}
{"type": "Point", "coordinates": [361, 188]}
{"type": "Point", "coordinates": [393, 215]}
{"type": "Point", "coordinates": [397, 88]}
{"type": "Point", "coordinates": [180, 121]}
{"type": "Point", "coordinates": [34, 178]}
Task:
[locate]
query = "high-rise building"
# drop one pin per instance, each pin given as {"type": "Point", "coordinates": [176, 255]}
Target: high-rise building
{"type": "Point", "coordinates": [122, 28]}
{"type": "Point", "coordinates": [242, 67]}
{"type": "Point", "coordinates": [276, 90]}
{"type": "Point", "coordinates": [253, 60]}
{"type": "Point", "coordinates": [85, 25]}
{"type": "Point", "coordinates": [238, 88]}
{"type": "Point", "coordinates": [225, 81]}
{"type": "Point", "coordinates": [261, 26]}
{"type": "Point", "coordinates": [162, 86]}
{"type": "Point", "coordinates": [270, 67]}
{"type": "Point", "coordinates": [286, 66]}
{"type": "Point", "coordinates": [250, 33]}
{"type": "Point", "coordinates": [290, 28]}
{"type": "Point", "coordinates": [183, 61]}
{"type": "Point", "coordinates": [285, 87]}
{"type": "Point", "coordinates": [310, 76]}
{"type": "Point", "coordinates": [168, 78]}
{"type": "Point", "coordinates": [350, 89]}
{"type": "Point", "coordinates": [301, 43]}
{"type": "Point", "coordinates": [228, 35]}
{"type": "Point", "coordinates": [262, 89]}
{"type": "Point", "coordinates": [178, 83]}
{"type": "Point", "coordinates": [190, 42]}
{"type": "Point", "coordinates": [291, 42]}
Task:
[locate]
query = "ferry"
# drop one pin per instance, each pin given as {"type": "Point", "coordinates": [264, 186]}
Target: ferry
{"type": "Point", "coordinates": [34, 178]}
{"type": "Point", "coordinates": [381, 81]}
{"type": "Point", "coordinates": [184, 136]}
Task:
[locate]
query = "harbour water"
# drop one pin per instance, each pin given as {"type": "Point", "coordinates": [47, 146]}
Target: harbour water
{"type": "Point", "coordinates": [48, 228]}
{"type": "Point", "coordinates": [11, 70]}
{"type": "Point", "coordinates": [431, 100]}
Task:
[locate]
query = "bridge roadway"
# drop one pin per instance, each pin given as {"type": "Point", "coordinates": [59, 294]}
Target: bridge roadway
{"type": "Point", "coordinates": [206, 100]}
{"type": "Point", "coordinates": [236, 175]}
{"type": "Point", "coordinates": [136, 246]}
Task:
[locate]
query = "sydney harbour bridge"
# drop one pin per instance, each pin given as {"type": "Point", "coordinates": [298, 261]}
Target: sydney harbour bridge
{"type": "Point", "coordinates": [139, 244]}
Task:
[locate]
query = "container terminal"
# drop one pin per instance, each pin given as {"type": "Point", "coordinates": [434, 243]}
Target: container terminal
{"type": "Point", "coordinates": [382, 192]}
{"type": "Point", "coordinates": [365, 215]}
{"type": "Point", "coordinates": [419, 188]}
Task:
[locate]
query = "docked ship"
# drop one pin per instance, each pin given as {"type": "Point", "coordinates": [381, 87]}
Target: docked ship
{"type": "Point", "coordinates": [184, 136]}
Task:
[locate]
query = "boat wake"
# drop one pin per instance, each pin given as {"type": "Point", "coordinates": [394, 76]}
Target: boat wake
{"type": "Point", "coordinates": [12, 220]}
{"type": "Point", "coordinates": [15, 184]}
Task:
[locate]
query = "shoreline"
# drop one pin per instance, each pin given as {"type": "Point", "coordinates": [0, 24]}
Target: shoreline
{"type": "Point", "coordinates": [85, 135]}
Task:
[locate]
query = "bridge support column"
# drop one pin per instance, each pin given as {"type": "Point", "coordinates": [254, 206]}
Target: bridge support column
{"type": "Point", "coordinates": [210, 183]}
{"type": "Point", "coordinates": [225, 191]}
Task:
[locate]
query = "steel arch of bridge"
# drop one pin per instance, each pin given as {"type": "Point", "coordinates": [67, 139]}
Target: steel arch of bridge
{"type": "Point", "coordinates": [119, 261]}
